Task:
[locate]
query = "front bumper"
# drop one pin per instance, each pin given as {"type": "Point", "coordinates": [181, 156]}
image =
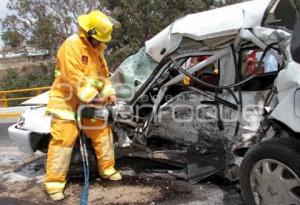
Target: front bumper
{"type": "Point", "coordinates": [21, 138]}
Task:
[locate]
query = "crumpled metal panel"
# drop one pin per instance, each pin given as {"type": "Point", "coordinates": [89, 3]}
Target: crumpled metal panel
{"type": "Point", "coordinates": [287, 82]}
{"type": "Point", "coordinates": [188, 122]}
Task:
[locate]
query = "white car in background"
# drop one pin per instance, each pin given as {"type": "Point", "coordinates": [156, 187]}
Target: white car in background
{"type": "Point", "coordinates": [32, 126]}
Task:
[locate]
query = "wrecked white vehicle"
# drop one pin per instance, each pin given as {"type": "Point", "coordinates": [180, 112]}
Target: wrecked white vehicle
{"type": "Point", "coordinates": [270, 170]}
{"type": "Point", "coordinates": [195, 91]}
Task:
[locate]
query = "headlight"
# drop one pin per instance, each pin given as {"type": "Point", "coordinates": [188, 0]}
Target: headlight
{"type": "Point", "coordinates": [297, 102]}
{"type": "Point", "coordinates": [21, 121]}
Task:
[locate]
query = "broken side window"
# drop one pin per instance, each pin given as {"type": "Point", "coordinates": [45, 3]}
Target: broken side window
{"type": "Point", "coordinates": [208, 74]}
{"type": "Point", "coordinates": [266, 71]}
{"type": "Point", "coordinates": [282, 13]}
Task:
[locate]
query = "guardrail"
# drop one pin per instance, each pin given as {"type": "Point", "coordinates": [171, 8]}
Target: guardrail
{"type": "Point", "coordinates": [4, 99]}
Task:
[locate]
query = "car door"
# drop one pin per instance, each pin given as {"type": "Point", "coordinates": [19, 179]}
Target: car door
{"type": "Point", "coordinates": [189, 113]}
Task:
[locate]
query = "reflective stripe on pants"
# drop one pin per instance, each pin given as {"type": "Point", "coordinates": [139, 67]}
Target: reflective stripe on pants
{"type": "Point", "coordinates": [62, 114]}
{"type": "Point", "coordinates": [64, 134]}
{"type": "Point", "coordinates": [54, 187]}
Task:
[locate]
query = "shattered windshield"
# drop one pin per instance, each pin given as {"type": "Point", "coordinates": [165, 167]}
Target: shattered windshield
{"type": "Point", "coordinates": [133, 73]}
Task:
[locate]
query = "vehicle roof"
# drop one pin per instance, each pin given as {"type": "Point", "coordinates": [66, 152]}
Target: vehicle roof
{"type": "Point", "coordinates": [214, 23]}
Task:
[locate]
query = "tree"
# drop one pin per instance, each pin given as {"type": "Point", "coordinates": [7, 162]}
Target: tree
{"type": "Point", "coordinates": [12, 38]}
{"type": "Point", "coordinates": [37, 76]}
{"type": "Point", "coordinates": [228, 2]}
{"type": "Point", "coordinates": [45, 23]}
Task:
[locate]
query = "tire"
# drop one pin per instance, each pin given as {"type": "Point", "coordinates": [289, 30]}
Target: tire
{"type": "Point", "coordinates": [266, 169]}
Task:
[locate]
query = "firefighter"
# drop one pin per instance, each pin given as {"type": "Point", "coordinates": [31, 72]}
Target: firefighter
{"type": "Point", "coordinates": [81, 77]}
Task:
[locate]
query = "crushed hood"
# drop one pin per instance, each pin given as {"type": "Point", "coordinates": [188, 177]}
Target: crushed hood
{"type": "Point", "coordinates": [205, 25]}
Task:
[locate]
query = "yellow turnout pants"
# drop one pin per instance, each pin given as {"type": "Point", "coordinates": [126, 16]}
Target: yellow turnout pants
{"type": "Point", "coordinates": [64, 134]}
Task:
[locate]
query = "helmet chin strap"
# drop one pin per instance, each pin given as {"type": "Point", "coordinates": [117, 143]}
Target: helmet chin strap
{"type": "Point", "coordinates": [92, 32]}
{"type": "Point", "coordinates": [94, 42]}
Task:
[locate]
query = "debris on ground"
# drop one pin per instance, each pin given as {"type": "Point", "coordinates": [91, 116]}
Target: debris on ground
{"type": "Point", "coordinates": [25, 173]}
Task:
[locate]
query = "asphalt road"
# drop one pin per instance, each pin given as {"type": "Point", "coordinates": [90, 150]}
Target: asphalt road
{"type": "Point", "coordinates": [4, 139]}
{"type": "Point", "coordinates": [9, 153]}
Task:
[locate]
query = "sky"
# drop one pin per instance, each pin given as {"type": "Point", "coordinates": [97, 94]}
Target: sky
{"type": "Point", "coordinates": [3, 9]}
{"type": "Point", "coordinates": [3, 12]}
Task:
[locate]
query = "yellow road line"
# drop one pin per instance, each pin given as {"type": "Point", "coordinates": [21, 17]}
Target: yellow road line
{"type": "Point", "coordinates": [10, 115]}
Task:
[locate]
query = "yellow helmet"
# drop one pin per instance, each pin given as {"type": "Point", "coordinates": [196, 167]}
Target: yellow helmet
{"type": "Point", "coordinates": [97, 25]}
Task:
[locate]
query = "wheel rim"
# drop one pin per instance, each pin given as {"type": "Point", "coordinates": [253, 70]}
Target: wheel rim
{"type": "Point", "coordinates": [273, 182]}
